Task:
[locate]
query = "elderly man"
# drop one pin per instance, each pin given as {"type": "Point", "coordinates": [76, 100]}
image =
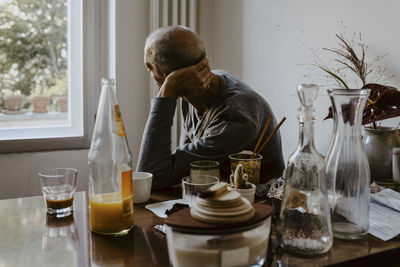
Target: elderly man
{"type": "Point", "coordinates": [221, 115]}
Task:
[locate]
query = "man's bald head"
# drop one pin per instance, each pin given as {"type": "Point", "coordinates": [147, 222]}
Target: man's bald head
{"type": "Point", "coordinates": [171, 48]}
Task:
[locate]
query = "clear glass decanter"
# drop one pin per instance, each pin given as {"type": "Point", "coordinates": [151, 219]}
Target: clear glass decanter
{"type": "Point", "coordinates": [304, 222]}
{"type": "Point", "coordinates": [347, 167]}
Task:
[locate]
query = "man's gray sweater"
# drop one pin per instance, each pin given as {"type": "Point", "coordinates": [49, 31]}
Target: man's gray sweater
{"type": "Point", "coordinates": [233, 123]}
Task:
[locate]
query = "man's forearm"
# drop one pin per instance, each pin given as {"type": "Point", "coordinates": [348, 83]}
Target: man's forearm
{"type": "Point", "coordinates": [155, 151]}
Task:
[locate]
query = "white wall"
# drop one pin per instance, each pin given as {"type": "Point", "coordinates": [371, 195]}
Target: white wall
{"type": "Point", "coordinates": [264, 41]}
{"type": "Point", "coordinates": [131, 75]}
{"type": "Point", "coordinates": [257, 40]}
{"type": "Point", "coordinates": [18, 172]}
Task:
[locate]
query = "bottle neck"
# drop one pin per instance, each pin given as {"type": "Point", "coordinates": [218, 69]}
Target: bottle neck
{"type": "Point", "coordinates": [306, 135]}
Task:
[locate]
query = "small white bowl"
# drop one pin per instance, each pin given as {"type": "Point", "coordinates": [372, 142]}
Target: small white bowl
{"type": "Point", "coordinates": [141, 186]}
{"type": "Point", "coordinates": [248, 193]}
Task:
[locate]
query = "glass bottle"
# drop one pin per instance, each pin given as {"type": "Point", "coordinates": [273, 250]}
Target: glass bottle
{"type": "Point", "coordinates": [304, 225]}
{"type": "Point", "coordinates": [110, 169]}
{"type": "Point", "coordinates": [347, 168]}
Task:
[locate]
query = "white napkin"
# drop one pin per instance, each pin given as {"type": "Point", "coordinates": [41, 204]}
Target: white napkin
{"type": "Point", "coordinates": [159, 208]}
{"type": "Point", "coordinates": [384, 220]}
{"type": "Point", "coordinates": [388, 197]}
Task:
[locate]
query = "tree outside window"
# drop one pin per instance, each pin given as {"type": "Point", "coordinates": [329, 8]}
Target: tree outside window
{"type": "Point", "coordinates": [33, 48]}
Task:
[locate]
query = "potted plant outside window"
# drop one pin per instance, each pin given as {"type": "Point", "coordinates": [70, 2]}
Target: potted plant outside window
{"type": "Point", "coordinates": [62, 103]}
{"type": "Point", "coordinates": [13, 101]}
{"type": "Point", "coordinates": [59, 91]}
{"type": "Point", "coordinates": [40, 99]}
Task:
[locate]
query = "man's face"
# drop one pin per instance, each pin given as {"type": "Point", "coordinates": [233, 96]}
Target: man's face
{"type": "Point", "coordinates": [158, 77]}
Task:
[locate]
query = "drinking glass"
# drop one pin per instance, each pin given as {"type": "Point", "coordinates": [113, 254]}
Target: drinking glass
{"type": "Point", "coordinates": [204, 167]}
{"type": "Point", "coordinates": [58, 188]}
{"type": "Point", "coordinates": [251, 165]}
{"type": "Point", "coordinates": [194, 185]}
{"type": "Point", "coordinates": [396, 164]}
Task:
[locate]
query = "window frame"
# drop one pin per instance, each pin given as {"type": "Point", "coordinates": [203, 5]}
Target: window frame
{"type": "Point", "coordinates": [86, 61]}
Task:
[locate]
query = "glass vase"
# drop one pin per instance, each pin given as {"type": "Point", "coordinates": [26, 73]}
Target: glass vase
{"type": "Point", "coordinates": [347, 168]}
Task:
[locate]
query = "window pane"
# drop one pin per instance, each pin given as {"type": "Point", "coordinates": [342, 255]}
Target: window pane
{"type": "Point", "coordinates": [35, 59]}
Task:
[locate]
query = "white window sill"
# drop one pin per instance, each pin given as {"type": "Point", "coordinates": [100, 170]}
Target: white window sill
{"type": "Point", "coordinates": [25, 119]}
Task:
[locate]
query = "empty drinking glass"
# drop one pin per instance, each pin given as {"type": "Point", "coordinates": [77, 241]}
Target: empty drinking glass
{"type": "Point", "coordinates": [204, 167]}
{"type": "Point", "coordinates": [194, 185]}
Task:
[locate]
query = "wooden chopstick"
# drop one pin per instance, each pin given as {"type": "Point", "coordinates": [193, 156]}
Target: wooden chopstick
{"type": "Point", "coordinates": [272, 134]}
{"type": "Point", "coordinates": [262, 134]}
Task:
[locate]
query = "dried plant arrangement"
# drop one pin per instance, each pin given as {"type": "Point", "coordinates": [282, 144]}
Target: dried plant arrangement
{"type": "Point", "coordinates": [384, 101]}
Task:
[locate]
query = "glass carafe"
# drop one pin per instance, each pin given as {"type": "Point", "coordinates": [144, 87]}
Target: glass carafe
{"type": "Point", "coordinates": [347, 166]}
{"type": "Point", "coordinates": [304, 222]}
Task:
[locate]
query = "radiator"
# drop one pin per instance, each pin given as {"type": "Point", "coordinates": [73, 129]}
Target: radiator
{"type": "Point", "coordinates": [168, 13]}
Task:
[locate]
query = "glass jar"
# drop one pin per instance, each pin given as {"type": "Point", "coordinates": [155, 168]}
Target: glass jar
{"type": "Point", "coordinates": [193, 243]}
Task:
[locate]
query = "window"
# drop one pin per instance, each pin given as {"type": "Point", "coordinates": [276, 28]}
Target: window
{"type": "Point", "coordinates": [43, 52]}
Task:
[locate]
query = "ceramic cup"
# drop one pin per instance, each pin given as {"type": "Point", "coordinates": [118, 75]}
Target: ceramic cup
{"type": "Point", "coordinates": [141, 186]}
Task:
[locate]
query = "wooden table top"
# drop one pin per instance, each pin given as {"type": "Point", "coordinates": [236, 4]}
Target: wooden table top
{"type": "Point", "coordinates": [30, 238]}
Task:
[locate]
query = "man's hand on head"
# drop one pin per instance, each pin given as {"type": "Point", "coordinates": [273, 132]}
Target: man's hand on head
{"type": "Point", "coordinates": [187, 82]}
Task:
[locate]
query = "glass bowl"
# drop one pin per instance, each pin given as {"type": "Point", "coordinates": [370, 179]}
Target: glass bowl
{"type": "Point", "coordinates": [218, 245]}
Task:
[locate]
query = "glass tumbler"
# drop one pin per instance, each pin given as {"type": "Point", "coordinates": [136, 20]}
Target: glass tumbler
{"type": "Point", "coordinates": [396, 164]}
{"type": "Point", "coordinates": [58, 188]}
{"type": "Point", "coordinates": [204, 167]}
{"type": "Point", "coordinates": [251, 165]}
{"type": "Point", "coordinates": [194, 185]}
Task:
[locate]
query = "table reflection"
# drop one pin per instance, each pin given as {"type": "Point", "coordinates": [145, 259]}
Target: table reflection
{"type": "Point", "coordinates": [60, 230]}
{"type": "Point", "coordinates": [280, 257]}
{"type": "Point", "coordinates": [119, 250]}
{"type": "Point", "coordinates": [60, 238]}
{"type": "Point", "coordinates": [140, 247]}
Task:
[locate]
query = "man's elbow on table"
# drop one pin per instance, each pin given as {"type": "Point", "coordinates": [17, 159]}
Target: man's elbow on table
{"type": "Point", "coordinates": [161, 176]}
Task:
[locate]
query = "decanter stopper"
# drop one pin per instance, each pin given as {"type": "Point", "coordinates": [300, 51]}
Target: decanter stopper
{"type": "Point", "coordinates": [307, 94]}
